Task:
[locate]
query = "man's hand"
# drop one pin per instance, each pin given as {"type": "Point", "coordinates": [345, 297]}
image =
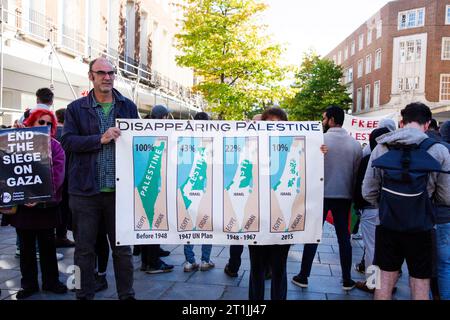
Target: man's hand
{"type": "Point", "coordinates": [17, 124]}
{"type": "Point", "coordinates": [324, 148]}
{"type": "Point", "coordinates": [30, 205]}
{"type": "Point", "coordinates": [111, 134]}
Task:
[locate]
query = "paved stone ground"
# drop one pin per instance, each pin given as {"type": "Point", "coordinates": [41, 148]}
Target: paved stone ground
{"type": "Point", "coordinates": [324, 283]}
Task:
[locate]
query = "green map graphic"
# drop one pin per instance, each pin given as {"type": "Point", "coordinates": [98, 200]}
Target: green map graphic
{"type": "Point", "coordinates": [197, 179]}
{"type": "Point", "coordinates": [149, 187]}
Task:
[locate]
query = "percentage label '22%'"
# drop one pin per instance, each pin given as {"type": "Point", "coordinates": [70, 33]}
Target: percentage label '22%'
{"type": "Point", "coordinates": [280, 147]}
{"type": "Point", "coordinates": [233, 148]}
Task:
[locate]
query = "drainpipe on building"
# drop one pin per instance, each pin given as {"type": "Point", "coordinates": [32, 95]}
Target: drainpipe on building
{"type": "Point", "coordinates": [1, 57]}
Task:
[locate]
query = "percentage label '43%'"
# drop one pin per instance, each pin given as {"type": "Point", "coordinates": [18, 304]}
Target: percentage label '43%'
{"type": "Point", "coordinates": [187, 148]}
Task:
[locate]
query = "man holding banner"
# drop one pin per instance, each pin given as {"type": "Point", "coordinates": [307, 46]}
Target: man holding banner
{"type": "Point", "coordinates": [89, 134]}
{"type": "Point", "coordinates": [341, 165]}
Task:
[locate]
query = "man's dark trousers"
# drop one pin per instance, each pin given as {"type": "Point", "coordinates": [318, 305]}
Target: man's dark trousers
{"type": "Point", "coordinates": [340, 209]}
{"type": "Point", "coordinates": [87, 213]}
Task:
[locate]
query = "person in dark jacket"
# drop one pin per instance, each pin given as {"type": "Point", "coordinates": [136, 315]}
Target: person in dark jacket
{"type": "Point", "coordinates": [89, 135]}
{"type": "Point", "coordinates": [369, 213]}
{"type": "Point", "coordinates": [36, 221]}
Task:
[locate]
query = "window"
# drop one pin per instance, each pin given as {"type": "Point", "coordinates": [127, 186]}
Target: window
{"type": "Point", "coordinates": [339, 59]}
{"type": "Point", "coordinates": [447, 14]}
{"type": "Point", "coordinates": [378, 59]}
{"type": "Point", "coordinates": [346, 53]}
{"type": "Point", "coordinates": [411, 19]}
{"type": "Point", "coordinates": [368, 64]}
{"type": "Point", "coordinates": [445, 87]}
{"type": "Point", "coordinates": [348, 75]}
{"type": "Point", "coordinates": [408, 84]}
{"type": "Point", "coordinates": [353, 48]}
{"type": "Point", "coordinates": [376, 94]}
{"type": "Point", "coordinates": [379, 28]}
{"type": "Point", "coordinates": [445, 49]}
{"type": "Point", "coordinates": [367, 97]}
{"type": "Point", "coordinates": [369, 37]}
{"type": "Point", "coordinates": [360, 68]}
{"type": "Point", "coordinates": [410, 51]}
{"type": "Point", "coordinates": [361, 42]}
{"type": "Point", "coordinates": [334, 59]}
{"type": "Point", "coordinates": [359, 99]}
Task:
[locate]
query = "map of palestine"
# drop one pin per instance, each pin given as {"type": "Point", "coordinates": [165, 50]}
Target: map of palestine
{"type": "Point", "coordinates": [150, 183]}
{"type": "Point", "coordinates": [194, 184]}
{"type": "Point", "coordinates": [241, 185]}
{"type": "Point", "coordinates": [287, 184]}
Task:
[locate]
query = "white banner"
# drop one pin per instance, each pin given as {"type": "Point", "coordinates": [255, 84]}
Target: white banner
{"type": "Point", "coordinates": [218, 182]}
{"type": "Point", "coordinates": [361, 127]}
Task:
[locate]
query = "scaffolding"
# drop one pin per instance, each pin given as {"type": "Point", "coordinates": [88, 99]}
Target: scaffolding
{"type": "Point", "coordinates": [40, 29]}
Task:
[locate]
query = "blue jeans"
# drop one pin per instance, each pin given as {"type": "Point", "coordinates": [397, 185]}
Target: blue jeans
{"type": "Point", "coordinates": [443, 259]}
{"type": "Point", "coordinates": [190, 256]}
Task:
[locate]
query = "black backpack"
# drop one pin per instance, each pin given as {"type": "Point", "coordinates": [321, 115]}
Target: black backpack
{"type": "Point", "coordinates": [405, 205]}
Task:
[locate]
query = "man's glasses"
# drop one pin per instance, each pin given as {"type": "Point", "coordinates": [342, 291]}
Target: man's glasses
{"type": "Point", "coordinates": [102, 73]}
{"type": "Point", "coordinates": [43, 123]}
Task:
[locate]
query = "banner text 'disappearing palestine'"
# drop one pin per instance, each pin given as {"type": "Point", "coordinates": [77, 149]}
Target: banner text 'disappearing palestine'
{"type": "Point", "coordinates": [218, 182]}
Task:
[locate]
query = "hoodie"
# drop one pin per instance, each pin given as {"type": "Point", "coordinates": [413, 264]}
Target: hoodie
{"type": "Point", "coordinates": [438, 183]}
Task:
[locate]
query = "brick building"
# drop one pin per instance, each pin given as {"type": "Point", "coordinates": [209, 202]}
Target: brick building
{"type": "Point", "coordinates": [400, 55]}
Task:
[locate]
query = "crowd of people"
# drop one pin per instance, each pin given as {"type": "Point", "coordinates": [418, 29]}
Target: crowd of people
{"type": "Point", "coordinates": [398, 183]}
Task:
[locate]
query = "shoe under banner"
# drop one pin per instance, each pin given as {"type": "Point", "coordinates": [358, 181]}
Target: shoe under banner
{"type": "Point", "coordinates": [218, 182]}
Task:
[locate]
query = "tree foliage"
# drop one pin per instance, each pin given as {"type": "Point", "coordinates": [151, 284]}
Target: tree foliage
{"type": "Point", "coordinates": [319, 85]}
{"type": "Point", "coordinates": [237, 65]}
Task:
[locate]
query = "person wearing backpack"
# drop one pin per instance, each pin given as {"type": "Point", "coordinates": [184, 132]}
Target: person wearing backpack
{"type": "Point", "coordinates": [406, 178]}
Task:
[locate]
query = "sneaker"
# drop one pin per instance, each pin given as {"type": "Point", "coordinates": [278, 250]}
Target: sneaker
{"type": "Point", "coordinates": [58, 288]}
{"type": "Point", "coordinates": [26, 293]}
{"type": "Point", "coordinates": [230, 273]}
{"type": "Point", "coordinates": [357, 236]}
{"type": "Point", "coordinates": [64, 243]}
{"type": "Point", "coordinates": [189, 267]}
{"type": "Point", "coordinates": [205, 266]}
{"type": "Point", "coordinates": [360, 268]}
{"type": "Point", "coordinates": [348, 285]}
{"type": "Point", "coordinates": [162, 268]}
{"type": "Point", "coordinates": [362, 285]}
{"type": "Point", "coordinates": [300, 281]}
{"type": "Point", "coordinates": [100, 282]}
{"type": "Point", "coordinates": [163, 253]}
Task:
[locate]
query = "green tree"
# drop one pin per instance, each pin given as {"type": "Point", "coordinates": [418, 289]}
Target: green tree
{"type": "Point", "coordinates": [237, 65]}
{"type": "Point", "coordinates": [319, 85]}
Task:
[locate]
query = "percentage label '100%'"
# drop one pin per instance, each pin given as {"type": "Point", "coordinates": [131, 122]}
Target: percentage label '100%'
{"type": "Point", "coordinates": [145, 147]}
{"type": "Point", "coordinates": [280, 147]}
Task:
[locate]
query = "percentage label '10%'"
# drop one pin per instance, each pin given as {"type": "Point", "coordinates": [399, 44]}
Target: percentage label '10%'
{"type": "Point", "coordinates": [280, 147]}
